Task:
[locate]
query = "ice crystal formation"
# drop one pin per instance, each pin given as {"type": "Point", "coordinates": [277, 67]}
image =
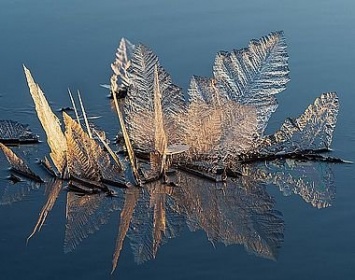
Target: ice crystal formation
{"type": "Point", "coordinates": [50, 123]}
{"type": "Point", "coordinates": [12, 132]}
{"type": "Point", "coordinates": [223, 119]}
{"type": "Point", "coordinates": [200, 158]}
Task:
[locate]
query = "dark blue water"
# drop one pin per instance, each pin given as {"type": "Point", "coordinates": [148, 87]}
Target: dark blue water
{"type": "Point", "coordinates": [72, 43]}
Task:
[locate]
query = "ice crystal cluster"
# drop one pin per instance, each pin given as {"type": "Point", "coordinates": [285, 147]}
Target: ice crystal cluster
{"type": "Point", "coordinates": [199, 159]}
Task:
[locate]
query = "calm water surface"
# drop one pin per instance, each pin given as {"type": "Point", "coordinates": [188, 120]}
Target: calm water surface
{"type": "Point", "coordinates": [72, 43]}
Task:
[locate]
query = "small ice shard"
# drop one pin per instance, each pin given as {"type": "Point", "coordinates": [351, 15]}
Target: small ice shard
{"type": "Point", "coordinates": [12, 132]}
{"type": "Point", "coordinates": [51, 124]}
{"type": "Point", "coordinates": [119, 79]}
{"type": "Point", "coordinates": [18, 165]}
{"type": "Point", "coordinates": [311, 131]}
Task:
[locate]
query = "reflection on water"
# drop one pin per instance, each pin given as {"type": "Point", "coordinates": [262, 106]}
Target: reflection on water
{"type": "Point", "coordinates": [237, 211]}
{"type": "Point", "coordinates": [17, 190]}
{"type": "Point", "coordinates": [84, 215]}
{"type": "Point", "coordinates": [312, 181]}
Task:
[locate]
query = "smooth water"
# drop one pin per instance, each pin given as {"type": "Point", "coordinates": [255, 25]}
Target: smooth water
{"type": "Point", "coordinates": [72, 43]}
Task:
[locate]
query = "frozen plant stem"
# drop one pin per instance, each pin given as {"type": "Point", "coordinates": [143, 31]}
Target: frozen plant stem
{"type": "Point", "coordinates": [130, 151]}
{"type": "Point", "coordinates": [74, 106]}
{"type": "Point", "coordinates": [84, 115]}
{"type": "Point", "coordinates": [113, 155]}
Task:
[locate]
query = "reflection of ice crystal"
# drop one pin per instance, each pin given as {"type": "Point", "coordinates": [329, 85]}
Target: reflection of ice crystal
{"type": "Point", "coordinates": [313, 181]}
{"type": "Point", "coordinates": [237, 212]}
{"type": "Point", "coordinates": [85, 214]}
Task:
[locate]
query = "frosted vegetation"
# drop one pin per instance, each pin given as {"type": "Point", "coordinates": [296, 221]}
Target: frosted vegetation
{"type": "Point", "coordinates": [199, 159]}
